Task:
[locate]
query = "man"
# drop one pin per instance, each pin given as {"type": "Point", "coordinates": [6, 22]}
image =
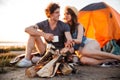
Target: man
{"type": "Point", "coordinates": [48, 29]}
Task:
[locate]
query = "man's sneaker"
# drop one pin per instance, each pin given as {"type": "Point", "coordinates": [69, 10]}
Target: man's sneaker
{"type": "Point", "coordinates": [24, 63]}
{"type": "Point", "coordinates": [35, 59]}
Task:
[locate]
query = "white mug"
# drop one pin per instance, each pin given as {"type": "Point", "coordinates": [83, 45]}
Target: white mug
{"type": "Point", "coordinates": [55, 39]}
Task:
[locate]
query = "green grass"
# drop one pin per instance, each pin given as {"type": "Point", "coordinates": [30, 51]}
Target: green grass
{"type": "Point", "coordinates": [17, 48]}
{"type": "Point", "coordinates": [11, 48]}
{"type": "Point", "coordinates": [5, 59]}
{"type": "Point", "coordinates": [6, 56]}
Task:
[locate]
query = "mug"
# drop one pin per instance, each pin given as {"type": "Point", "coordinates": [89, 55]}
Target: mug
{"type": "Point", "coordinates": [55, 39]}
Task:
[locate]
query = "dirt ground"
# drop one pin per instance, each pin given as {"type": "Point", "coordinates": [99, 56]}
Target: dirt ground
{"type": "Point", "coordinates": [84, 73]}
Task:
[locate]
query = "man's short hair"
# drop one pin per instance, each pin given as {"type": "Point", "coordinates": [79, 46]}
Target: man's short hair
{"type": "Point", "coordinates": [51, 8]}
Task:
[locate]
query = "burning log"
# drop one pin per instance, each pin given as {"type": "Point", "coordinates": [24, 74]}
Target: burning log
{"type": "Point", "coordinates": [48, 55]}
{"type": "Point", "coordinates": [65, 69]}
{"type": "Point", "coordinates": [47, 68]}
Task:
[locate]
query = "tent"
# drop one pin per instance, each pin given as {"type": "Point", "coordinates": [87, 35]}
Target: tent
{"type": "Point", "coordinates": [101, 22]}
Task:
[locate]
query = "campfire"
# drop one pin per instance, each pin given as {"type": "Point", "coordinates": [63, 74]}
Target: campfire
{"type": "Point", "coordinates": [54, 62]}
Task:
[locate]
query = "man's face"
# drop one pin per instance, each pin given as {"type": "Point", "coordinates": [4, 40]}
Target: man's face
{"type": "Point", "coordinates": [55, 15]}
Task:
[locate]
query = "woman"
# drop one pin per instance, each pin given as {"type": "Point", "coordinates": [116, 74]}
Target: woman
{"type": "Point", "coordinates": [89, 48]}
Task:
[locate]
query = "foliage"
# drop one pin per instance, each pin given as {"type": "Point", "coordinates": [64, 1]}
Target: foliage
{"type": "Point", "coordinates": [5, 60]}
{"type": "Point", "coordinates": [11, 48]}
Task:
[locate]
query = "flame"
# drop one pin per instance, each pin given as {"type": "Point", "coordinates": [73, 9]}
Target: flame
{"type": "Point", "coordinates": [78, 54]}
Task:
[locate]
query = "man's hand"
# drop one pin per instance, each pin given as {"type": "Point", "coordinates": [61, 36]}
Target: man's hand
{"type": "Point", "coordinates": [48, 36]}
{"type": "Point", "coordinates": [69, 44]}
{"type": "Point", "coordinates": [64, 50]}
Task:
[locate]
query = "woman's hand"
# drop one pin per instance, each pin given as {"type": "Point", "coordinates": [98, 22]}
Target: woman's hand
{"type": "Point", "coordinates": [71, 50]}
{"type": "Point", "coordinates": [76, 41]}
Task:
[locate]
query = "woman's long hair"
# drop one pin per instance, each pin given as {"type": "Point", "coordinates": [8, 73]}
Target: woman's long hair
{"type": "Point", "coordinates": [74, 21]}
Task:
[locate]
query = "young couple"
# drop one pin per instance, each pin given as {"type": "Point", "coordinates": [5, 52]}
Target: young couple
{"type": "Point", "coordinates": [71, 31]}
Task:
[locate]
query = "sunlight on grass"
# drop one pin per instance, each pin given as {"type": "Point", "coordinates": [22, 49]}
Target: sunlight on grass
{"type": "Point", "coordinates": [6, 56]}
{"type": "Point", "coordinates": [5, 49]}
{"type": "Point", "coordinates": [5, 59]}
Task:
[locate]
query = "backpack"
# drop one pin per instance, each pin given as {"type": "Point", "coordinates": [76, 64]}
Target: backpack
{"type": "Point", "coordinates": [112, 47]}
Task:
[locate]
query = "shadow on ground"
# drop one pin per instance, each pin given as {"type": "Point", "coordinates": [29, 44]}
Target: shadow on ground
{"type": "Point", "coordinates": [84, 73]}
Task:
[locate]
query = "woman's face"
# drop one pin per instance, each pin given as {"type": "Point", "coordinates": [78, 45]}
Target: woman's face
{"type": "Point", "coordinates": [67, 16]}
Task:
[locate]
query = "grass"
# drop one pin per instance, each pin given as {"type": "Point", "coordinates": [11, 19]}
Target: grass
{"type": "Point", "coordinates": [5, 59]}
{"type": "Point", "coordinates": [11, 48]}
{"type": "Point", "coordinates": [6, 56]}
